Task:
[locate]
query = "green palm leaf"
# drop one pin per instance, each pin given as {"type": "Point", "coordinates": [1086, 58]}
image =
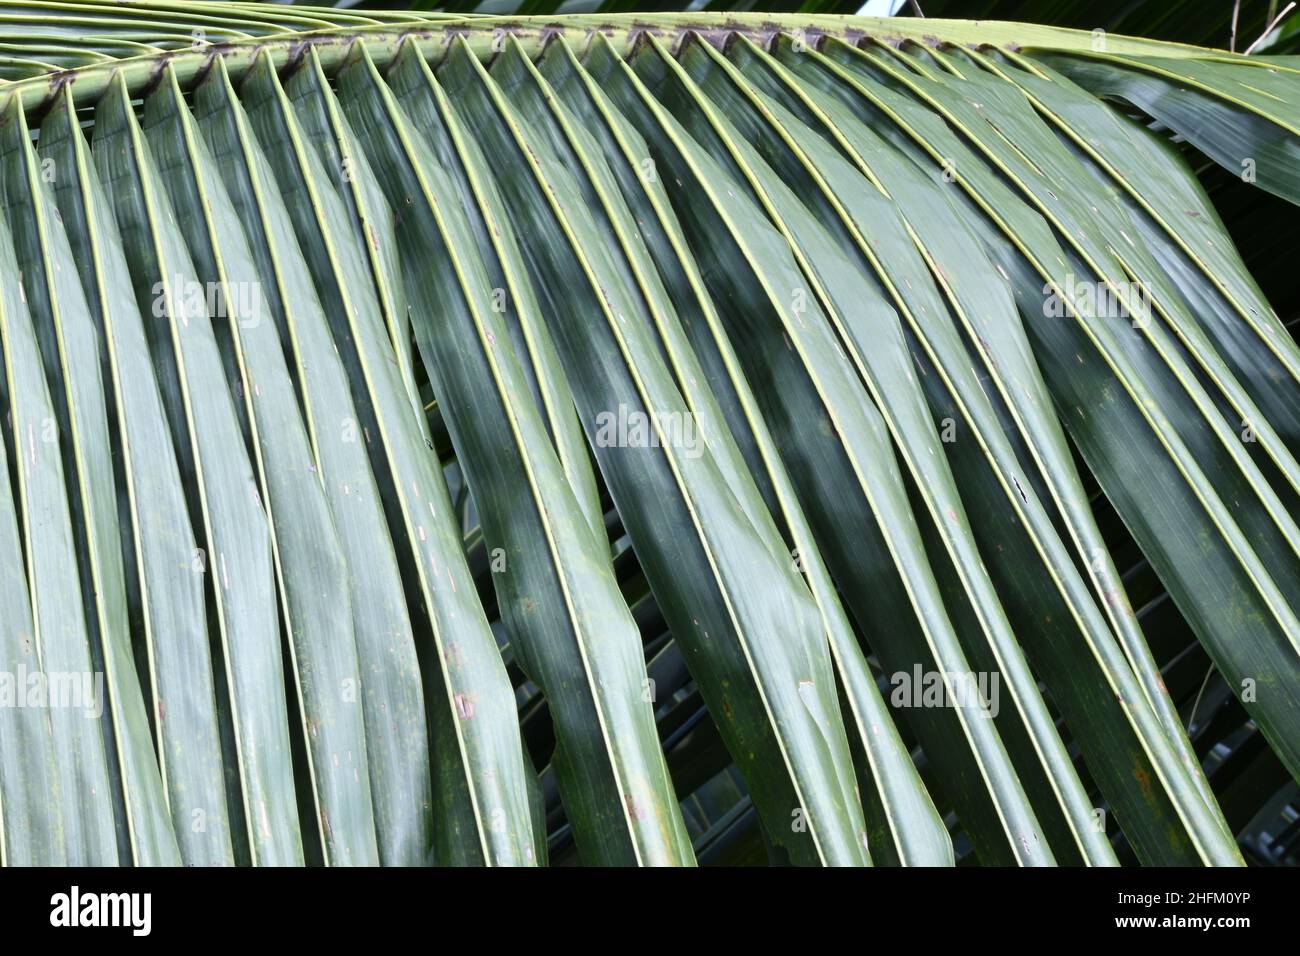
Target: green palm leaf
{"type": "Point", "coordinates": [506, 441]}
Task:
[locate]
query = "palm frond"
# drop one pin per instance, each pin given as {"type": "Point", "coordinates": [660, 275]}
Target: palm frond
{"type": "Point", "coordinates": [680, 437]}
